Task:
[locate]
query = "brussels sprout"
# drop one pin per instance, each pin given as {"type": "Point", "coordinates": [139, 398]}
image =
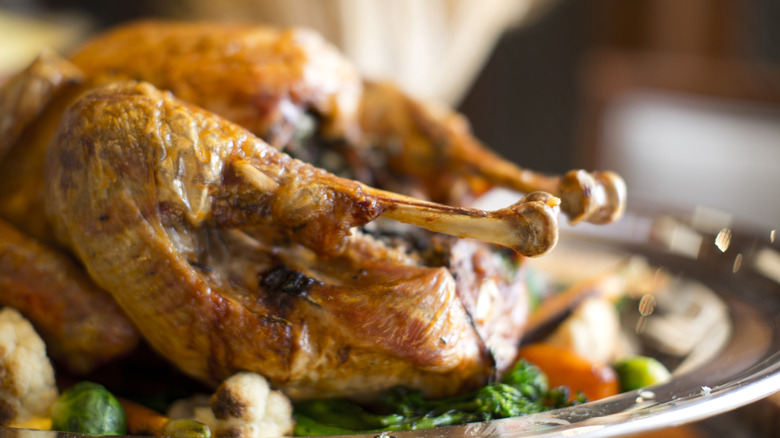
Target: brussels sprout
{"type": "Point", "coordinates": [635, 372]}
{"type": "Point", "coordinates": [89, 408]}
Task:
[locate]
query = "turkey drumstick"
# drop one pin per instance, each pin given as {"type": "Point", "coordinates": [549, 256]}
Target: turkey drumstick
{"type": "Point", "coordinates": [214, 172]}
{"type": "Point", "coordinates": [529, 226]}
{"type": "Point", "coordinates": [431, 143]}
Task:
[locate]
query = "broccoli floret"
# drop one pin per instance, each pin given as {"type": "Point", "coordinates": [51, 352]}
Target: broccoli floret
{"type": "Point", "coordinates": [528, 379]}
{"type": "Point", "coordinates": [347, 415]}
{"type": "Point", "coordinates": [523, 390]}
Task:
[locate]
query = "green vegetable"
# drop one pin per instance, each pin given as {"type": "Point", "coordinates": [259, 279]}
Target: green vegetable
{"type": "Point", "coordinates": [185, 428]}
{"type": "Point", "coordinates": [635, 372]}
{"type": "Point", "coordinates": [344, 414]}
{"type": "Point", "coordinates": [89, 408]}
{"type": "Point", "coordinates": [524, 390]}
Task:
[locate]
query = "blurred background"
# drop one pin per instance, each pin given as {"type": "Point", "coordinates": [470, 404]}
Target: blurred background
{"type": "Point", "coordinates": [680, 97]}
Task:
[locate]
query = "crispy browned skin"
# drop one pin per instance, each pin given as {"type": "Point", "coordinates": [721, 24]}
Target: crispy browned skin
{"type": "Point", "coordinates": [25, 95]}
{"type": "Point", "coordinates": [496, 300]}
{"type": "Point", "coordinates": [82, 325]}
{"type": "Point", "coordinates": [353, 324]}
{"type": "Point", "coordinates": [262, 78]}
{"type": "Point", "coordinates": [21, 170]}
{"type": "Point", "coordinates": [29, 112]}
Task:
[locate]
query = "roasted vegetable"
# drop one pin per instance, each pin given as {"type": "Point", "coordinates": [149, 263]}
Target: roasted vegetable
{"type": "Point", "coordinates": [244, 406]}
{"type": "Point", "coordinates": [524, 390]}
{"type": "Point", "coordinates": [142, 420]}
{"type": "Point", "coordinates": [635, 372]}
{"type": "Point", "coordinates": [27, 386]}
{"type": "Point", "coordinates": [89, 408]}
{"type": "Point", "coordinates": [565, 368]}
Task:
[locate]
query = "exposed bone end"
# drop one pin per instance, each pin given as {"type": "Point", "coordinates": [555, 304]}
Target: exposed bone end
{"type": "Point", "coordinates": [529, 226]}
{"type": "Point", "coordinates": [599, 198]}
{"type": "Point", "coordinates": [615, 198]}
{"type": "Point", "coordinates": [538, 233]}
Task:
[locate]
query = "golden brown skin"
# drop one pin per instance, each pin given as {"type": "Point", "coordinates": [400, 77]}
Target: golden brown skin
{"type": "Point", "coordinates": [496, 299]}
{"type": "Point", "coordinates": [352, 324]}
{"type": "Point", "coordinates": [82, 325]}
{"type": "Point", "coordinates": [30, 105]}
{"type": "Point", "coordinates": [25, 95]}
{"type": "Point", "coordinates": [262, 78]}
{"type": "Point", "coordinates": [21, 169]}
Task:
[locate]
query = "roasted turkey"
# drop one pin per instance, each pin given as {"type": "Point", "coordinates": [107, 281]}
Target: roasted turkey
{"type": "Point", "coordinates": [235, 189]}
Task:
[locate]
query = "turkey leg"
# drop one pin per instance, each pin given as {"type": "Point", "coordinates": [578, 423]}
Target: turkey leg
{"type": "Point", "coordinates": [429, 142]}
{"type": "Point", "coordinates": [529, 226]}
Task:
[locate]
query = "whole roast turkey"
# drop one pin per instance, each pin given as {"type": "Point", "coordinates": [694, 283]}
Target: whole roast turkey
{"type": "Point", "coordinates": [249, 203]}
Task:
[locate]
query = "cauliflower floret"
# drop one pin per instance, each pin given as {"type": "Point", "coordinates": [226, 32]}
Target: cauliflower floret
{"type": "Point", "coordinates": [27, 386]}
{"type": "Point", "coordinates": [242, 406]}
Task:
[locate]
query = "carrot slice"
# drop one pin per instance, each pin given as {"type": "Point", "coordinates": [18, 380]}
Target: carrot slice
{"type": "Point", "coordinates": [142, 420]}
{"type": "Point", "coordinates": [565, 368]}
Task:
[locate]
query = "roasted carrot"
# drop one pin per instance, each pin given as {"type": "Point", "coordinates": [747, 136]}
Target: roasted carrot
{"type": "Point", "coordinates": [148, 422]}
{"type": "Point", "coordinates": [565, 368]}
{"type": "Point", "coordinates": [142, 420]}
